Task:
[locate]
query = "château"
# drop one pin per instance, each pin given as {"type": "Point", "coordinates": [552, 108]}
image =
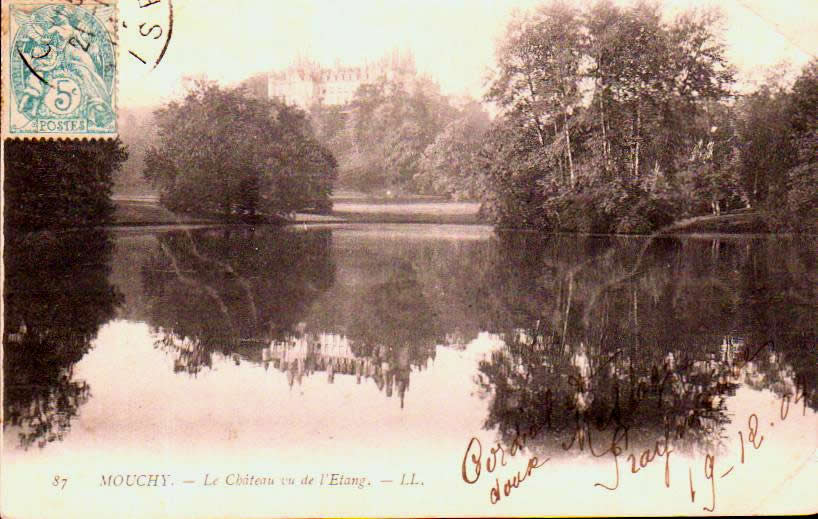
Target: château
{"type": "Point", "coordinates": [306, 82]}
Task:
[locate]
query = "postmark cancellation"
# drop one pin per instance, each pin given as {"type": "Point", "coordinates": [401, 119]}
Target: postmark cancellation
{"type": "Point", "coordinates": [59, 69]}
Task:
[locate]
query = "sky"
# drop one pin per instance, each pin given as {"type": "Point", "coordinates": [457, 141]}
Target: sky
{"type": "Point", "coordinates": [453, 41]}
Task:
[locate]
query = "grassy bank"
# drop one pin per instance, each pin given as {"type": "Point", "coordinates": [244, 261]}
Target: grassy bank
{"type": "Point", "coordinates": [407, 211]}
{"type": "Point", "coordinates": [147, 211]}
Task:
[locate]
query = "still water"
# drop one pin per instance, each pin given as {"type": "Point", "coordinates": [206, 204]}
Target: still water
{"type": "Point", "coordinates": [372, 346]}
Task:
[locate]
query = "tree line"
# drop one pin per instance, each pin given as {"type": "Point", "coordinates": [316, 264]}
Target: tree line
{"type": "Point", "coordinates": [610, 119]}
{"type": "Point", "coordinates": [615, 120]}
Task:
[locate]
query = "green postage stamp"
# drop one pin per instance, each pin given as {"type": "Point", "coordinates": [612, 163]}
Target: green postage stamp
{"type": "Point", "coordinates": [60, 70]}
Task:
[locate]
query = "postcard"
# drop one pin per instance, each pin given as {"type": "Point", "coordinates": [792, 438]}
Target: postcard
{"type": "Point", "coordinates": [409, 258]}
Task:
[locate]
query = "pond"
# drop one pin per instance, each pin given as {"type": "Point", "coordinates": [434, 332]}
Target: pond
{"type": "Point", "coordinates": [402, 353]}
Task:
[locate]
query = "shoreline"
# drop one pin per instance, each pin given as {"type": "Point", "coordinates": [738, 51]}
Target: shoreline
{"type": "Point", "coordinates": [146, 214]}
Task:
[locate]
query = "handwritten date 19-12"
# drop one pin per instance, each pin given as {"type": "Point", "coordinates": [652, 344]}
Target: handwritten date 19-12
{"type": "Point", "coordinates": [753, 438]}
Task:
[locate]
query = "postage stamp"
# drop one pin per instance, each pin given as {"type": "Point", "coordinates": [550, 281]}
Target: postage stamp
{"type": "Point", "coordinates": [60, 70]}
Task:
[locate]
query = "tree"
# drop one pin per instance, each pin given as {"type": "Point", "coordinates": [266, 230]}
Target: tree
{"type": "Point", "coordinates": [765, 150]}
{"type": "Point", "coordinates": [137, 133]}
{"type": "Point", "coordinates": [611, 100]}
{"type": "Point", "coordinates": [710, 177]}
{"type": "Point", "coordinates": [60, 183]}
{"type": "Point", "coordinates": [450, 164]}
{"type": "Point", "coordinates": [651, 79]}
{"type": "Point", "coordinates": [512, 165]}
{"type": "Point", "coordinates": [539, 77]}
{"type": "Point", "coordinates": [803, 108]}
{"type": "Point", "coordinates": [386, 129]}
{"type": "Point", "coordinates": [776, 149]}
{"type": "Point", "coordinates": [802, 180]}
{"type": "Point", "coordinates": [224, 151]}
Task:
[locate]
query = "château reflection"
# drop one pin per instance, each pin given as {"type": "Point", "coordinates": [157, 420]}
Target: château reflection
{"type": "Point", "coordinates": [304, 354]}
{"type": "Point", "coordinates": [273, 311]}
{"type": "Point", "coordinates": [52, 314]}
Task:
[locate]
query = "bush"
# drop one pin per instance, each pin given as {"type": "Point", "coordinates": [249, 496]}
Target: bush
{"type": "Point", "coordinates": [634, 224]}
{"type": "Point", "coordinates": [60, 183]}
{"type": "Point", "coordinates": [581, 212]}
{"type": "Point", "coordinates": [797, 210]}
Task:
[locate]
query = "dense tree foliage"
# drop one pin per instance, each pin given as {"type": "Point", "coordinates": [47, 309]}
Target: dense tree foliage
{"type": "Point", "coordinates": [610, 119]}
{"type": "Point", "coordinates": [227, 152]}
{"type": "Point", "coordinates": [59, 183]}
{"type": "Point", "coordinates": [797, 206]}
{"type": "Point", "coordinates": [450, 164]}
{"type": "Point", "coordinates": [613, 119]}
{"type": "Point", "coordinates": [600, 111]}
{"type": "Point", "coordinates": [380, 137]}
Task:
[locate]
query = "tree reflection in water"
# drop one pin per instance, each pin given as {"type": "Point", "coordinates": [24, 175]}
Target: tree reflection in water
{"type": "Point", "coordinates": [596, 331]}
{"type": "Point", "coordinates": [564, 389]}
{"type": "Point", "coordinates": [57, 295]}
{"type": "Point", "coordinates": [649, 336]}
{"type": "Point", "coordinates": [599, 331]}
{"type": "Point", "coordinates": [395, 329]}
{"type": "Point", "coordinates": [259, 306]}
{"type": "Point", "coordinates": [220, 290]}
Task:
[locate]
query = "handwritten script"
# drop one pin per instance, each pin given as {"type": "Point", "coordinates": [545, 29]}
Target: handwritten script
{"type": "Point", "coordinates": [474, 462]}
{"type": "Point", "coordinates": [477, 460]}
